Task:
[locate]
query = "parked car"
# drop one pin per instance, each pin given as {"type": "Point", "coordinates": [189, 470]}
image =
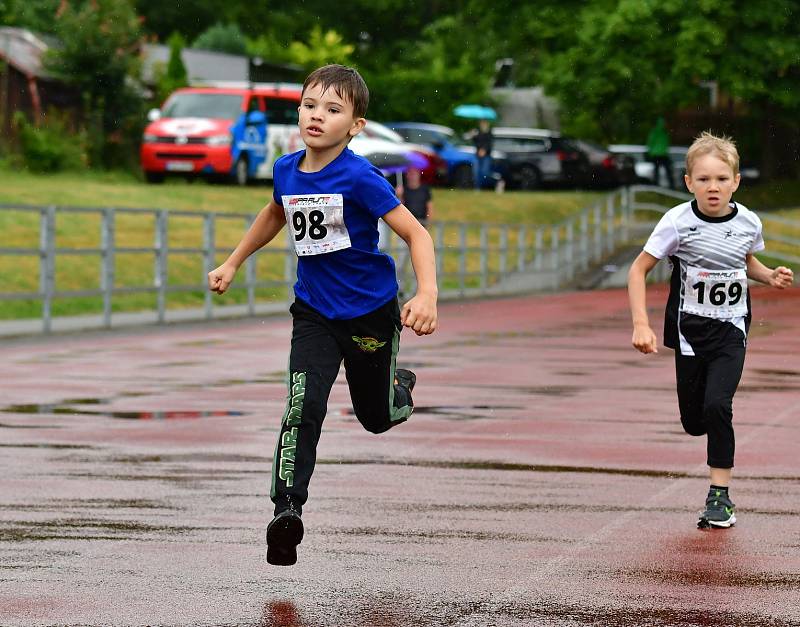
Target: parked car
{"type": "Point", "coordinates": [607, 169]}
{"type": "Point", "coordinates": [432, 167]}
{"type": "Point", "coordinates": [535, 157]}
{"type": "Point", "coordinates": [644, 168]}
{"type": "Point", "coordinates": [221, 132]}
{"type": "Point", "coordinates": [461, 165]}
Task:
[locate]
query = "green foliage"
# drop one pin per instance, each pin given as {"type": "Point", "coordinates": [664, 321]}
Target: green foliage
{"type": "Point", "coordinates": [270, 47]}
{"type": "Point", "coordinates": [36, 16]}
{"type": "Point", "coordinates": [49, 147]}
{"type": "Point", "coordinates": [99, 41]}
{"type": "Point", "coordinates": [322, 48]}
{"type": "Point", "coordinates": [172, 76]}
{"type": "Point", "coordinates": [222, 38]}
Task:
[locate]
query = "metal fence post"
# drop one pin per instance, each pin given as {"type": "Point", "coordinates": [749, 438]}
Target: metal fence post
{"type": "Point", "coordinates": [250, 273]}
{"type": "Point", "coordinates": [598, 233]}
{"type": "Point", "coordinates": [160, 278]}
{"type": "Point", "coordinates": [484, 255]}
{"type": "Point", "coordinates": [554, 234]}
{"type": "Point", "coordinates": [538, 250]}
{"type": "Point", "coordinates": [439, 243]}
{"type": "Point", "coordinates": [610, 222]}
{"type": "Point", "coordinates": [503, 262]}
{"type": "Point", "coordinates": [47, 264]}
{"type": "Point", "coordinates": [108, 245]}
{"type": "Point", "coordinates": [570, 253]}
{"type": "Point", "coordinates": [584, 240]}
{"type": "Point", "coordinates": [209, 259]}
{"type": "Point", "coordinates": [462, 259]}
{"type": "Point", "coordinates": [522, 240]}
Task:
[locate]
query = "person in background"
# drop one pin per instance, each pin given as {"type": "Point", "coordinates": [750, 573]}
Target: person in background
{"type": "Point", "coordinates": [416, 196]}
{"type": "Point", "coordinates": [658, 152]}
{"type": "Point", "coordinates": [483, 151]}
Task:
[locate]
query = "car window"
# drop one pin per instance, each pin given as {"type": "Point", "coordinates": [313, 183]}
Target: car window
{"type": "Point", "coordinates": [528, 144]}
{"type": "Point", "coordinates": [188, 105]}
{"type": "Point", "coordinates": [379, 131]}
{"type": "Point", "coordinates": [282, 111]}
{"type": "Point", "coordinates": [420, 135]}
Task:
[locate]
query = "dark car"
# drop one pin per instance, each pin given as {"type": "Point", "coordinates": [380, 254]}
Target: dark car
{"type": "Point", "coordinates": [607, 169]}
{"type": "Point", "coordinates": [535, 157]}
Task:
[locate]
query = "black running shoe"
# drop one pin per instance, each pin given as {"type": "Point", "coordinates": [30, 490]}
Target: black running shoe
{"type": "Point", "coordinates": [719, 512]}
{"type": "Point", "coordinates": [406, 378]}
{"type": "Point", "coordinates": [284, 533]}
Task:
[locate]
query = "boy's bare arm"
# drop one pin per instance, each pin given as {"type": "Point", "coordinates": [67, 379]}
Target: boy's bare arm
{"type": "Point", "coordinates": [644, 339]}
{"type": "Point", "coordinates": [780, 277]}
{"type": "Point", "coordinates": [419, 313]}
{"type": "Point", "coordinates": [268, 223]}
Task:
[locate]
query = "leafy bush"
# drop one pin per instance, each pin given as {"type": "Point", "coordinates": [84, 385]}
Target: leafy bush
{"type": "Point", "coordinates": [50, 147]}
{"type": "Point", "coordinates": [222, 38]}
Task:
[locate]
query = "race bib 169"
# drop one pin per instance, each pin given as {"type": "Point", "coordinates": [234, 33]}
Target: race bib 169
{"type": "Point", "coordinates": [718, 294]}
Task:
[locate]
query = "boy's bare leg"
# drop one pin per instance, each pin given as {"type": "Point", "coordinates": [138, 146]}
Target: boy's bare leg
{"type": "Point", "coordinates": [720, 476]}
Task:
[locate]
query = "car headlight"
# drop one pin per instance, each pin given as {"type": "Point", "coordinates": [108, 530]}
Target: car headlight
{"type": "Point", "coordinates": [218, 140]}
{"type": "Point", "coordinates": [149, 138]}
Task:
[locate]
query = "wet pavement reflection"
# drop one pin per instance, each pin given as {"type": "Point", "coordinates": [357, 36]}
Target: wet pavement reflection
{"type": "Point", "coordinates": [543, 480]}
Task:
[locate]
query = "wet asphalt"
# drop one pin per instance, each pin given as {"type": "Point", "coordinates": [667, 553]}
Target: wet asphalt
{"type": "Point", "coordinates": [543, 479]}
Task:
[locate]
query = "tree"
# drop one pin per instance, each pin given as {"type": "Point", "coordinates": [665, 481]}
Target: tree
{"type": "Point", "coordinates": [226, 38]}
{"type": "Point", "coordinates": [98, 56]}
{"type": "Point", "coordinates": [322, 48]}
{"type": "Point", "coordinates": [631, 60]}
{"type": "Point", "coordinates": [172, 75]}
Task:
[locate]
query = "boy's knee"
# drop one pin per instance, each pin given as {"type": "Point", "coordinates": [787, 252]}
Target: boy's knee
{"type": "Point", "coordinates": [717, 407]}
{"type": "Point", "coordinates": [693, 424]}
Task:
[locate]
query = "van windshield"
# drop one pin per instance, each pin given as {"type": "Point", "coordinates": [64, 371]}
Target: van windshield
{"type": "Point", "coordinates": [222, 106]}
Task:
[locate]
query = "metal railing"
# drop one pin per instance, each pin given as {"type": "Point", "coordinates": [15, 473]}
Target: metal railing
{"type": "Point", "coordinates": [473, 259]}
{"type": "Point", "coordinates": [781, 235]}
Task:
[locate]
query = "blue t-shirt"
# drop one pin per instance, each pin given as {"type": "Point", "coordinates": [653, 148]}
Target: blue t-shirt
{"type": "Point", "coordinates": [333, 215]}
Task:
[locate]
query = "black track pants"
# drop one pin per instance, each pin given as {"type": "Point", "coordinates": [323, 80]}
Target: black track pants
{"type": "Point", "coordinates": [368, 346]}
{"type": "Point", "coordinates": [706, 385]}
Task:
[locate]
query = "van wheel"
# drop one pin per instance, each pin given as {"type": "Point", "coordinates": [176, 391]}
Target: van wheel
{"type": "Point", "coordinates": [154, 177]}
{"type": "Point", "coordinates": [529, 178]}
{"type": "Point", "coordinates": [463, 178]}
{"type": "Point", "coordinates": [240, 176]}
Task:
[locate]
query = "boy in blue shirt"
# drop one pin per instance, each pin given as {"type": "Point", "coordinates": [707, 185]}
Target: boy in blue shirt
{"type": "Point", "coordinates": [345, 305]}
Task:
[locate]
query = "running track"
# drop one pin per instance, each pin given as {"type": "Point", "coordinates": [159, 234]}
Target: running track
{"type": "Point", "coordinates": [543, 480]}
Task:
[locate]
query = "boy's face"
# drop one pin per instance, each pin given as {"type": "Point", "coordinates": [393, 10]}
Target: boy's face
{"type": "Point", "coordinates": [326, 119]}
{"type": "Point", "coordinates": [712, 182]}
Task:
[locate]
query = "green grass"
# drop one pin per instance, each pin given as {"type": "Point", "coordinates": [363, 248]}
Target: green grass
{"type": "Point", "coordinates": [83, 231]}
{"type": "Point", "coordinates": [769, 195]}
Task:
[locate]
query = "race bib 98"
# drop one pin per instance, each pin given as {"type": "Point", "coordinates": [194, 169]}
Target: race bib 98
{"type": "Point", "coordinates": [715, 293]}
{"type": "Point", "coordinates": [317, 223]}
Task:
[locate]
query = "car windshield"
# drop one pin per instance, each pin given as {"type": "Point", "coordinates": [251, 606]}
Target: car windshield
{"type": "Point", "coordinates": [423, 135]}
{"type": "Point", "coordinates": [222, 106]}
{"type": "Point", "coordinates": [379, 131]}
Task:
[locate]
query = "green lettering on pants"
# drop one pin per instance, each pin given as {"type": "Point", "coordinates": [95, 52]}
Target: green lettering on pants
{"type": "Point", "coordinates": [298, 391]}
{"type": "Point", "coordinates": [288, 448]}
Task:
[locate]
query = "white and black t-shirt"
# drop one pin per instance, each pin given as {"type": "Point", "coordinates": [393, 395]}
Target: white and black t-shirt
{"type": "Point", "coordinates": [709, 303]}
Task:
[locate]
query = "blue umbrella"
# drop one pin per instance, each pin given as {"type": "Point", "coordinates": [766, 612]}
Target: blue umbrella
{"type": "Point", "coordinates": [475, 112]}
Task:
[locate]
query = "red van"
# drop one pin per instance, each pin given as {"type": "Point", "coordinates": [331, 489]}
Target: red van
{"type": "Point", "coordinates": [226, 131]}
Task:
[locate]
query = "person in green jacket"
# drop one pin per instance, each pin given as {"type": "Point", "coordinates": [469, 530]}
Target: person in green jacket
{"type": "Point", "coordinates": [658, 152]}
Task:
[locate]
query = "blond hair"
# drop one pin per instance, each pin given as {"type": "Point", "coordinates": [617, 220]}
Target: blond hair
{"type": "Point", "coordinates": [707, 143]}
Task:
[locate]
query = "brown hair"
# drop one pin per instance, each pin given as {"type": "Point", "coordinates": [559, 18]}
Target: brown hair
{"type": "Point", "coordinates": [707, 143]}
{"type": "Point", "coordinates": [346, 82]}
